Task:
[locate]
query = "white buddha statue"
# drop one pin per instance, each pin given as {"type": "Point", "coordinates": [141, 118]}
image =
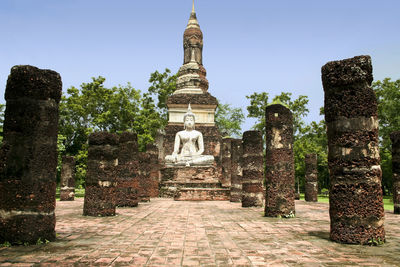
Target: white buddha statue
{"type": "Point", "coordinates": [192, 145]}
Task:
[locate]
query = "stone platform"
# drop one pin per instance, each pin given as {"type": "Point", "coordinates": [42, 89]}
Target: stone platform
{"type": "Point", "coordinates": [192, 183]}
{"type": "Point", "coordinates": [164, 232]}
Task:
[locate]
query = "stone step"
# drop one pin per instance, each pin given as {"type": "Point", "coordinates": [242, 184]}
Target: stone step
{"type": "Point", "coordinates": [201, 194]}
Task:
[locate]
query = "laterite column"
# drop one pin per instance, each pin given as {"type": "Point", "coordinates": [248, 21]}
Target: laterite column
{"type": "Point", "coordinates": [127, 179]}
{"type": "Point", "coordinates": [252, 189]}
{"type": "Point", "coordinates": [280, 192]}
{"type": "Point", "coordinates": [145, 184]}
{"type": "Point", "coordinates": [236, 170]}
{"type": "Point", "coordinates": [100, 195]}
{"type": "Point", "coordinates": [355, 195]}
{"type": "Point", "coordinates": [395, 137]}
{"type": "Point", "coordinates": [28, 157]}
{"type": "Point", "coordinates": [226, 162]}
{"type": "Point", "coordinates": [311, 178]}
{"type": "Point", "coordinates": [67, 184]}
{"type": "Point", "coordinates": [153, 170]}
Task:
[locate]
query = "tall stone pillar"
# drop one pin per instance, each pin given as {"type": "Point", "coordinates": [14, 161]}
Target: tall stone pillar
{"type": "Point", "coordinates": [311, 178]}
{"type": "Point", "coordinates": [252, 189]}
{"type": "Point", "coordinates": [355, 195]}
{"type": "Point", "coordinates": [28, 157]}
{"type": "Point", "coordinates": [226, 162]}
{"type": "Point", "coordinates": [127, 180]}
{"type": "Point", "coordinates": [280, 192]}
{"type": "Point", "coordinates": [100, 196]}
{"type": "Point", "coordinates": [67, 184]}
{"type": "Point", "coordinates": [395, 137]}
{"type": "Point", "coordinates": [236, 170]}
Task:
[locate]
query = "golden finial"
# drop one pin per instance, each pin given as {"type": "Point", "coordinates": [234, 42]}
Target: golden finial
{"type": "Point", "coordinates": [193, 8]}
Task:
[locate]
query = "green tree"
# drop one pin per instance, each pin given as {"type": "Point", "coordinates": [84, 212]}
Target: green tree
{"type": "Point", "coordinates": [162, 86]}
{"type": "Point", "coordinates": [388, 97]}
{"type": "Point", "coordinates": [229, 120]}
{"type": "Point", "coordinates": [312, 139]}
{"type": "Point", "coordinates": [93, 107]}
{"type": "Point", "coordinates": [259, 101]}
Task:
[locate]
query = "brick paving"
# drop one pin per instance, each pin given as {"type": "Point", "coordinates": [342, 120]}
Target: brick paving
{"type": "Point", "coordinates": [164, 232]}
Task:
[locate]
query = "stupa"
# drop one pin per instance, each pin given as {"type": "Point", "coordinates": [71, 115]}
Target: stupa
{"type": "Point", "coordinates": [193, 182]}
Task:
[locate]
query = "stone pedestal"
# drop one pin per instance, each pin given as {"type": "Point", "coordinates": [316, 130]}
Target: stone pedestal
{"type": "Point", "coordinates": [28, 156]}
{"type": "Point", "coordinates": [395, 137]}
{"type": "Point", "coordinates": [279, 162]}
{"type": "Point", "coordinates": [192, 183]}
{"type": "Point", "coordinates": [67, 184]}
{"type": "Point", "coordinates": [311, 178]}
{"type": "Point", "coordinates": [355, 195]}
{"type": "Point", "coordinates": [252, 188]}
{"type": "Point", "coordinates": [100, 196]}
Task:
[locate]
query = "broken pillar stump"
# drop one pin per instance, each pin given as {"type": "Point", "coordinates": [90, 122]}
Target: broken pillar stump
{"type": "Point", "coordinates": [29, 156]}
{"type": "Point", "coordinates": [355, 195]}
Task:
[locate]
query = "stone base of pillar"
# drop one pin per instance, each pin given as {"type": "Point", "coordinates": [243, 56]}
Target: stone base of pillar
{"type": "Point", "coordinates": [67, 194]}
{"type": "Point", "coordinates": [99, 201]}
{"type": "Point", "coordinates": [356, 218]}
{"type": "Point", "coordinates": [252, 194]}
{"type": "Point", "coordinates": [280, 201]}
{"type": "Point", "coordinates": [27, 211]}
{"type": "Point", "coordinates": [311, 192]}
{"type": "Point", "coordinates": [126, 196]}
{"type": "Point", "coordinates": [236, 193]}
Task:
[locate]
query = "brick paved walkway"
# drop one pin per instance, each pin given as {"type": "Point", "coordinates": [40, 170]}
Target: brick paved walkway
{"type": "Point", "coordinates": [167, 232]}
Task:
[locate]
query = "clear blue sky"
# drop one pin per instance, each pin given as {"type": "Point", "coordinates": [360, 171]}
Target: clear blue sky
{"type": "Point", "coordinates": [249, 46]}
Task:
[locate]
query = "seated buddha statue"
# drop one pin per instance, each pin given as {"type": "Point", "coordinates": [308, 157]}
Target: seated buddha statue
{"type": "Point", "coordinates": [192, 145]}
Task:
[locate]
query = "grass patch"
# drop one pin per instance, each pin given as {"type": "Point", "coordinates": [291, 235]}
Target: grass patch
{"type": "Point", "coordinates": [387, 201]}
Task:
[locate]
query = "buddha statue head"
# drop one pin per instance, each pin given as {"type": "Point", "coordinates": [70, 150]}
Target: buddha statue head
{"type": "Point", "coordinates": [189, 119]}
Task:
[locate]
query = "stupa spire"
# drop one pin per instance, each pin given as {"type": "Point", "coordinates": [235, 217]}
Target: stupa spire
{"type": "Point", "coordinates": [193, 23]}
{"type": "Point", "coordinates": [192, 74]}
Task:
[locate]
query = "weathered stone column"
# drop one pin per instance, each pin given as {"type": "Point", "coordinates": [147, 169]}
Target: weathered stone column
{"type": "Point", "coordinates": [395, 137]}
{"type": "Point", "coordinates": [280, 192]}
{"type": "Point", "coordinates": [127, 180]}
{"type": "Point", "coordinates": [144, 183]}
{"type": "Point", "coordinates": [236, 170]}
{"type": "Point", "coordinates": [311, 178]}
{"type": "Point", "coordinates": [100, 195]}
{"type": "Point", "coordinates": [252, 189]}
{"type": "Point", "coordinates": [67, 184]}
{"type": "Point", "coordinates": [153, 166]}
{"type": "Point", "coordinates": [355, 195]}
{"type": "Point", "coordinates": [28, 157]}
{"type": "Point", "coordinates": [226, 162]}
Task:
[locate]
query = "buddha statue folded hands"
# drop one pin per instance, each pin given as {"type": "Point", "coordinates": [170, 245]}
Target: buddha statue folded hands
{"type": "Point", "coordinates": [192, 145]}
